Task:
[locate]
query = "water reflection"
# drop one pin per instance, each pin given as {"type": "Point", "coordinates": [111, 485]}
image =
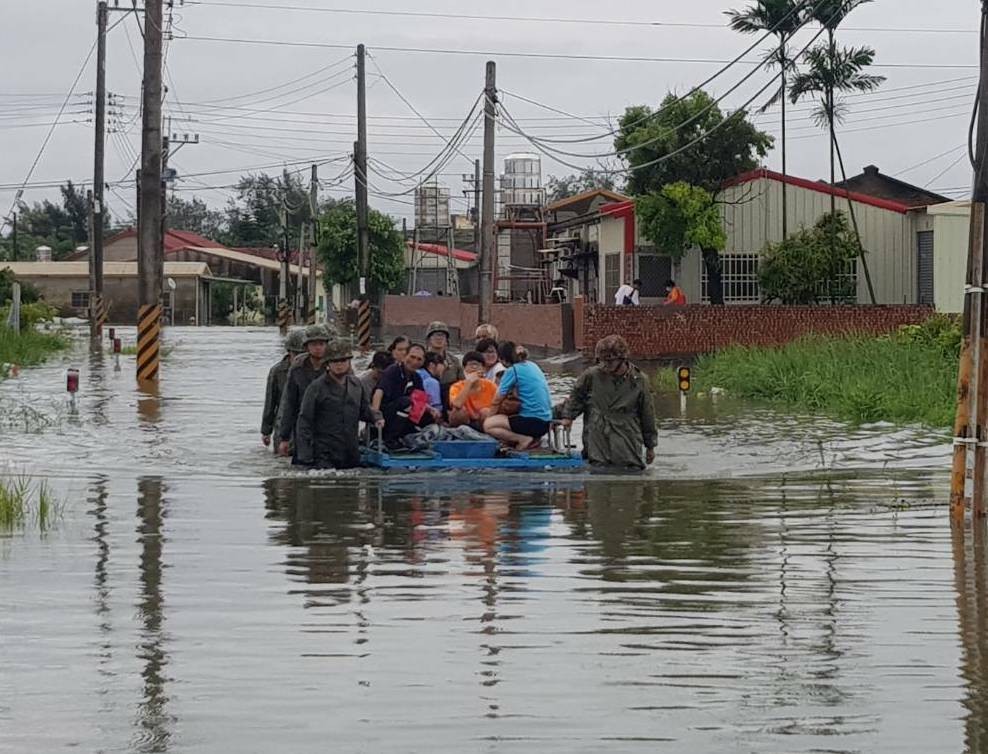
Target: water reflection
{"type": "Point", "coordinates": [968, 540]}
{"type": "Point", "coordinates": [154, 724]}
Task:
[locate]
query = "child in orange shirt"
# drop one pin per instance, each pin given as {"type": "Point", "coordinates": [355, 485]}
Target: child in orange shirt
{"type": "Point", "coordinates": [470, 399]}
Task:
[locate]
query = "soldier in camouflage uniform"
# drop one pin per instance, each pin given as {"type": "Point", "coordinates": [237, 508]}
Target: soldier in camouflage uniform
{"type": "Point", "coordinates": [616, 402]}
{"type": "Point", "coordinates": [333, 405]}
{"type": "Point", "coordinates": [304, 370]}
{"type": "Point", "coordinates": [277, 377]}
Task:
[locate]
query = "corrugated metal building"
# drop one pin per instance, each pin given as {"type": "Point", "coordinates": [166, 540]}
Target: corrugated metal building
{"type": "Point", "coordinates": [752, 212]}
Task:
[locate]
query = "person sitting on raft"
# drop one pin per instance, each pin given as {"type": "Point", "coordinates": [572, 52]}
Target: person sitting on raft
{"type": "Point", "coordinates": [401, 398]}
{"type": "Point", "coordinates": [332, 408]}
{"type": "Point", "coordinates": [471, 398]}
{"type": "Point", "coordinates": [432, 375]}
{"type": "Point", "coordinates": [530, 424]}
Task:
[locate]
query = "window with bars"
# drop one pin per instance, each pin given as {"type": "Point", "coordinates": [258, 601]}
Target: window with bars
{"type": "Point", "coordinates": [80, 299]}
{"type": "Point", "coordinates": [739, 274]}
{"type": "Point", "coordinates": [612, 276]}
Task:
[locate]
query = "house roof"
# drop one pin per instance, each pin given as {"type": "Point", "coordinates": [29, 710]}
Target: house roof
{"type": "Point", "coordinates": [174, 239]}
{"type": "Point", "coordinates": [110, 269]}
{"type": "Point", "coordinates": [874, 182]}
{"type": "Point", "coordinates": [586, 197]}
{"type": "Point", "coordinates": [442, 251]}
{"type": "Point", "coordinates": [822, 188]}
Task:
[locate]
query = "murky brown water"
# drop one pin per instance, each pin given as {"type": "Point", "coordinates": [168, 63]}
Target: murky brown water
{"type": "Point", "coordinates": [773, 585]}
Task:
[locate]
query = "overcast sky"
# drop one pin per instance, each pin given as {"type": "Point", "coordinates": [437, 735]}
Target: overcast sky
{"type": "Point", "coordinates": [919, 114]}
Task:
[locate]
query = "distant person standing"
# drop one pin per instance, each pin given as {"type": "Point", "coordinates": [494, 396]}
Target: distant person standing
{"type": "Point", "coordinates": [627, 295]}
{"type": "Point", "coordinates": [277, 378]}
{"type": "Point", "coordinates": [674, 295]}
{"type": "Point", "coordinates": [305, 369]}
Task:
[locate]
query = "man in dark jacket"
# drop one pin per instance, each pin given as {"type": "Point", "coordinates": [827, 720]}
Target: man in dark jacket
{"type": "Point", "coordinates": [304, 370]}
{"type": "Point", "coordinates": [333, 406]}
{"type": "Point", "coordinates": [616, 403]}
{"type": "Point", "coordinates": [277, 377]}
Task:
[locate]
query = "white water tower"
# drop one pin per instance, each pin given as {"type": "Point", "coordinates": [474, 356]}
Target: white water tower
{"type": "Point", "coordinates": [521, 183]}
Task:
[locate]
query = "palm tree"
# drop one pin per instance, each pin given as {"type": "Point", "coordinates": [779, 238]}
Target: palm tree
{"type": "Point", "coordinates": [783, 18]}
{"type": "Point", "coordinates": [832, 70]}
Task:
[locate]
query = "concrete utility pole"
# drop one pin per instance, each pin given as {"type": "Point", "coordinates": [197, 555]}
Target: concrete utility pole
{"type": "Point", "coordinates": [476, 206]}
{"type": "Point", "coordinates": [968, 478]}
{"type": "Point", "coordinates": [313, 243]}
{"type": "Point", "coordinates": [360, 176]}
{"type": "Point", "coordinates": [96, 309]}
{"type": "Point", "coordinates": [150, 261]}
{"type": "Point", "coordinates": [13, 237]}
{"type": "Point", "coordinates": [488, 245]}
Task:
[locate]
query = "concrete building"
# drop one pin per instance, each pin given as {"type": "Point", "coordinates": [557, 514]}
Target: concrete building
{"type": "Point", "coordinates": [65, 285]}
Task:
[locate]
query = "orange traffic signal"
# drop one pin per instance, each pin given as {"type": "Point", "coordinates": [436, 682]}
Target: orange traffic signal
{"type": "Point", "coordinates": [683, 375]}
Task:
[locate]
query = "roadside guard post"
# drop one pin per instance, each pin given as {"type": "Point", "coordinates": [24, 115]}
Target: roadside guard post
{"type": "Point", "coordinates": [72, 384]}
{"type": "Point", "coordinates": [116, 354]}
{"type": "Point", "coordinates": [684, 378]}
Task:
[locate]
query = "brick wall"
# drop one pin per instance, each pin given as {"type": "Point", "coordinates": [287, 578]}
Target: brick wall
{"type": "Point", "coordinates": [658, 332]}
{"type": "Point", "coordinates": [533, 325]}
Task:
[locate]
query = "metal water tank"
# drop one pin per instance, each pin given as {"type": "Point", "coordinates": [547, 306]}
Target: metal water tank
{"type": "Point", "coordinates": [432, 206]}
{"type": "Point", "coordinates": [521, 184]}
{"type": "Point", "coordinates": [43, 253]}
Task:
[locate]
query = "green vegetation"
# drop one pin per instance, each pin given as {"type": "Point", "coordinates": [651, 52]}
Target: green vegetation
{"type": "Point", "coordinates": [812, 265]}
{"type": "Point", "coordinates": [23, 502]}
{"type": "Point", "coordinates": [28, 348]}
{"type": "Point", "coordinates": [909, 377]}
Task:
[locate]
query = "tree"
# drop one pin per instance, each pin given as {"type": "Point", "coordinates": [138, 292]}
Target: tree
{"type": "Point", "coordinates": [254, 217]}
{"type": "Point", "coordinates": [659, 147]}
{"type": "Point", "coordinates": [338, 248]}
{"type": "Point", "coordinates": [195, 216]}
{"type": "Point", "coordinates": [811, 265]}
{"type": "Point", "coordinates": [680, 217]}
{"type": "Point", "coordinates": [570, 185]}
{"type": "Point", "coordinates": [645, 136]}
{"type": "Point", "coordinates": [60, 226]}
{"type": "Point", "coordinates": [783, 18]}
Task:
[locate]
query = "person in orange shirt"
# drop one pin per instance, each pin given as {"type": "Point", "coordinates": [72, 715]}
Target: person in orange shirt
{"type": "Point", "coordinates": [674, 295]}
{"type": "Point", "coordinates": [470, 399]}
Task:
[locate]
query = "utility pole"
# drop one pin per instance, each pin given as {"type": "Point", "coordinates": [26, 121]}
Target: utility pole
{"type": "Point", "coordinates": [360, 176]}
{"type": "Point", "coordinates": [301, 291]}
{"type": "Point", "coordinates": [487, 240]}
{"type": "Point", "coordinates": [150, 261]}
{"type": "Point", "coordinates": [96, 308]}
{"type": "Point", "coordinates": [476, 206]}
{"type": "Point", "coordinates": [968, 477]}
{"type": "Point", "coordinates": [284, 255]}
{"type": "Point", "coordinates": [13, 238]}
{"type": "Point", "coordinates": [313, 244]}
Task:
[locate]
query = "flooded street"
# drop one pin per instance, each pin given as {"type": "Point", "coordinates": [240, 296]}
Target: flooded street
{"type": "Point", "coordinates": [773, 584]}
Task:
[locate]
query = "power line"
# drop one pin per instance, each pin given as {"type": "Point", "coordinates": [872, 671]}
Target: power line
{"type": "Point", "coordinates": [51, 130]}
{"type": "Point", "coordinates": [535, 55]}
{"type": "Point", "coordinates": [542, 19]}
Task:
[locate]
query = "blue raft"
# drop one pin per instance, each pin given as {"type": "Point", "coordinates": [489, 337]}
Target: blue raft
{"type": "Point", "coordinates": [470, 455]}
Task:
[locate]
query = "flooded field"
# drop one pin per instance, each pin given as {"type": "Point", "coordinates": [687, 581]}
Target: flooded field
{"type": "Point", "coordinates": [773, 584]}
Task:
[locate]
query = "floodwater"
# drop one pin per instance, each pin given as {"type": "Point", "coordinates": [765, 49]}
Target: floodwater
{"type": "Point", "coordinates": [773, 584]}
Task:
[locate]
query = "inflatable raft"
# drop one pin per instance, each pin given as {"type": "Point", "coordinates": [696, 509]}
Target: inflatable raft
{"type": "Point", "coordinates": [471, 455]}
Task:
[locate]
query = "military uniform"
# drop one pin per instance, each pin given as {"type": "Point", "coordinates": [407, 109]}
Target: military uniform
{"type": "Point", "coordinates": [301, 374]}
{"type": "Point", "coordinates": [277, 377]}
{"type": "Point", "coordinates": [326, 433]}
{"type": "Point", "coordinates": [454, 369]}
{"type": "Point", "coordinates": [619, 418]}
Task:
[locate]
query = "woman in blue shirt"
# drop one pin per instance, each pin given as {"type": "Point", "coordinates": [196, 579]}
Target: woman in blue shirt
{"type": "Point", "coordinates": [525, 429]}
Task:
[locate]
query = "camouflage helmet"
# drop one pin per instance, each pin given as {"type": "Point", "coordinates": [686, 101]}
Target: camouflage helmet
{"type": "Point", "coordinates": [435, 327]}
{"type": "Point", "coordinates": [611, 348]}
{"type": "Point", "coordinates": [337, 350]}
{"type": "Point", "coordinates": [316, 332]}
{"type": "Point", "coordinates": [293, 343]}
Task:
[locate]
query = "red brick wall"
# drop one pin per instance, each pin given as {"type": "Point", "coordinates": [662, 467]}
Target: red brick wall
{"type": "Point", "coordinates": [529, 324]}
{"type": "Point", "coordinates": [657, 332]}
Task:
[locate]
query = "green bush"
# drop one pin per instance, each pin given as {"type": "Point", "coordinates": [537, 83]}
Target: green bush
{"type": "Point", "coordinates": [29, 346]}
{"type": "Point", "coordinates": [29, 294]}
{"type": "Point", "coordinates": [31, 314]}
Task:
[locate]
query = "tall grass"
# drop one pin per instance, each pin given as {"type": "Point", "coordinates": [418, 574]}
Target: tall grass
{"type": "Point", "coordinates": [22, 502]}
{"type": "Point", "coordinates": [29, 346]}
{"type": "Point", "coordinates": [906, 378]}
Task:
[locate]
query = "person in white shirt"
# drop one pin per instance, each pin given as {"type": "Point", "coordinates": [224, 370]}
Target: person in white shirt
{"type": "Point", "coordinates": [627, 295]}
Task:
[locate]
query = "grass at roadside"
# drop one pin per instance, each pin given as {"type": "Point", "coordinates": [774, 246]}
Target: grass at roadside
{"type": "Point", "coordinates": [23, 502]}
{"type": "Point", "coordinates": [29, 347]}
{"type": "Point", "coordinates": [909, 377]}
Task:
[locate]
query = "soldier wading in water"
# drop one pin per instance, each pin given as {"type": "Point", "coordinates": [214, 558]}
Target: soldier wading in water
{"type": "Point", "coordinates": [304, 370]}
{"type": "Point", "coordinates": [332, 408]}
{"type": "Point", "coordinates": [277, 378]}
{"type": "Point", "coordinates": [616, 403]}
